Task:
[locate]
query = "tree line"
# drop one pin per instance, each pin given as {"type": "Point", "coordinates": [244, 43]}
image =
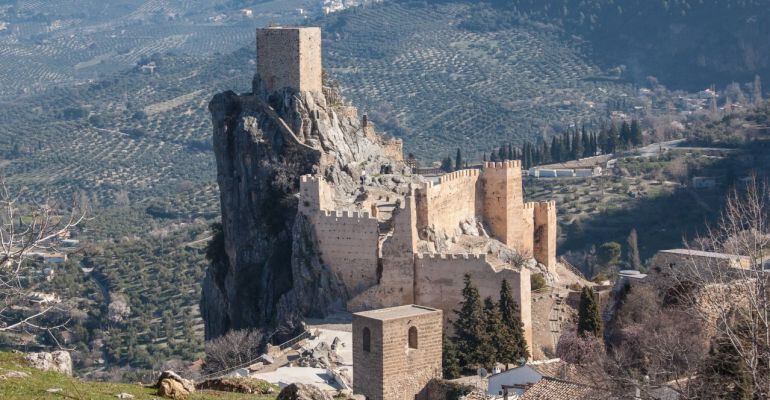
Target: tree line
{"type": "Point", "coordinates": [571, 145]}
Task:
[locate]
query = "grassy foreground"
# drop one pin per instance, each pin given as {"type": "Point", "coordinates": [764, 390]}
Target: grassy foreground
{"type": "Point", "coordinates": [37, 384]}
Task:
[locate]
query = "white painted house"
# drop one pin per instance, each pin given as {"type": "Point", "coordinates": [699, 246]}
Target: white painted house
{"type": "Point", "coordinates": [519, 378]}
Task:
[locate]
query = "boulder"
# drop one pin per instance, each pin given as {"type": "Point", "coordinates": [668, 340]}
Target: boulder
{"type": "Point", "coordinates": [57, 361]}
{"type": "Point", "coordinates": [172, 389]}
{"type": "Point", "coordinates": [173, 386]}
{"type": "Point", "coordinates": [298, 391]}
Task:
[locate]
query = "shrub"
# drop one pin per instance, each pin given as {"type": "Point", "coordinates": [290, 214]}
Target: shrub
{"type": "Point", "coordinates": [537, 281]}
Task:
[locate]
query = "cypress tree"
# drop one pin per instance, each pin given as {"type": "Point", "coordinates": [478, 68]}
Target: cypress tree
{"type": "Point", "coordinates": [584, 138]}
{"type": "Point", "coordinates": [637, 138]}
{"type": "Point", "coordinates": [473, 347]}
{"type": "Point", "coordinates": [603, 141]}
{"type": "Point", "coordinates": [612, 139]}
{"type": "Point", "coordinates": [516, 345]}
{"type": "Point", "coordinates": [546, 153]}
{"type": "Point", "coordinates": [446, 164]}
{"type": "Point", "coordinates": [501, 153]}
{"type": "Point", "coordinates": [589, 320]}
{"type": "Point", "coordinates": [577, 146]}
{"type": "Point", "coordinates": [625, 135]}
{"type": "Point", "coordinates": [555, 149]}
{"type": "Point", "coordinates": [458, 160]}
{"type": "Point", "coordinates": [450, 359]}
{"type": "Point", "coordinates": [493, 322]}
{"type": "Point", "coordinates": [511, 155]}
{"type": "Point", "coordinates": [632, 254]}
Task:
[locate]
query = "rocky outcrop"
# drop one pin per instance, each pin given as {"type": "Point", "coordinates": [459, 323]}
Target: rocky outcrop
{"type": "Point", "coordinates": [172, 386]}
{"type": "Point", "coordinates": [298, 391]}
{"type": "Point", "coordinates": [265, 269]}
{"type": "Point", "coordinates": [57, 361]}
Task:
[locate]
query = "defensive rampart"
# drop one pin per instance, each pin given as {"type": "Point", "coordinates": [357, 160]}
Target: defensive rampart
{"type": "Point", "coordinates": [454, 199]}
{"type": "Point", "coordinates": [439, 281]}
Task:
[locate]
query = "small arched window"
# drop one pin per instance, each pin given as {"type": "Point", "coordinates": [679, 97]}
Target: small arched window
{"type": "Point", "coordinates": [367, 340]}
{"type": "Point", "coordinates": [413, 337]}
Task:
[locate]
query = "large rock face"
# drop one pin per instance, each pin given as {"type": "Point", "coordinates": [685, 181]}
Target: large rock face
{"type": "Point", "coordinates": [266, 269]}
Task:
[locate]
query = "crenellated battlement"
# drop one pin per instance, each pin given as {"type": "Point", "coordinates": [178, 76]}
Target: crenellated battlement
{"type": "Point", "coordinates": [347, 214]}
{"type": "Point", "coordinates": [502, 164]}
{"type": "Point", "coordinates": [308, 179]}
{"type": "Point", "coordinates": [530, 205]}
{"type": "Point", "coordinates": [548, 205]}
{"type": "Point", "coordinates": [463, 173]}
{"type": "Point", "coordinates": [452, 256]}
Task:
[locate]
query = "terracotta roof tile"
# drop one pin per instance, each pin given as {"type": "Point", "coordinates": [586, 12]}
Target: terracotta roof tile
{"type": "Point", "coordinates": [557, 389]}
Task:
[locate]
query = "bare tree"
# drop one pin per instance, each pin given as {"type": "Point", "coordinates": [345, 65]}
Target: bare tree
{"type": "Point", "coordinates": [730, 295]}
{"type": "Point", "coordinates": [233, 350]}
{"type": "Point", "coordinates": [24, 231]}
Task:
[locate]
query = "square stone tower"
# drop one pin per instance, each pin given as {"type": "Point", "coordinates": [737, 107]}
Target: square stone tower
{"type": "Point", "coordinates": [289, 57]}
{"type": "Point", "coordinates": [396, 351]}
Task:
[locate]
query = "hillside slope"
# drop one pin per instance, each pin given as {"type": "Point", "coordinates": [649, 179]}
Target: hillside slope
{"type": "Point", "coordinates": [439, 86]}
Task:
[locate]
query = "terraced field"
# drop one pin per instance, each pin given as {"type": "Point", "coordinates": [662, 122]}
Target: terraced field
{"type": "Point", "coordinates": [441, 87]}
{"type": "Point", "coordinates": [49, 43]}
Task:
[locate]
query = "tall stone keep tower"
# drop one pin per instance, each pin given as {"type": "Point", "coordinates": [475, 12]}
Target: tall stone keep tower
{"type": "Point", "coordinates": [396, 351]}
{"type": "Point", "coordinates": [504, 204]}
{"type": "Point", "coordinates": [289, 58]}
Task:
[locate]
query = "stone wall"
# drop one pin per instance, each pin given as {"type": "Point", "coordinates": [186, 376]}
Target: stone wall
{"type": "Point", "coordinates": [396, 281]}
{"type": "Point", "coordinates": [545, 234]}
{"type": "Point", "coordinates": [454, 199]}
{"type": "Point", "coordinates": [504, 204]}
{"type": "Point", "coordinates": [439, 283]}
{"type": "Point", "coordinates": [289, 57]}
{"type": "Point", "coordinates": [347, 241]}
{"type": "Point", "coordinates": [392, 370]}
{"type": "Point", "coordinates": [315, 195]}
{"type": "Point", "coordinates": [394, 148]}
{"type": "Point", "coordinates": [348, 246]}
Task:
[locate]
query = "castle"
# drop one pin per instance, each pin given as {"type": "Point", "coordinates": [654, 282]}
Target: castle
{"type": "Point", "coordinates": [390, 248]}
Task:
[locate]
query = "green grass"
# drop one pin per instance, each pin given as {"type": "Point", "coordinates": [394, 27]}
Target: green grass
{"type": "Point", "coordinates": [36, 385]}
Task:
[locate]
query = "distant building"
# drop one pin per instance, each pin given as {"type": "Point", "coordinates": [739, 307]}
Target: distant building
{"type": "Point", "coordinates": [148, 68]}
{"type": "Point", "coordinates": [246, 12]}
{"type": "Point", "coordinates": [684, 257]}
{"type": "Point", "coordinates": [396, 351]}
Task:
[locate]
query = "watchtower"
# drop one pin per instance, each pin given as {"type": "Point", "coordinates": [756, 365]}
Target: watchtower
{"type": "Point", "coordinates": [289, 58]}
{"type": "Point", "coordinates": [396, 351]}
{"type": "Point", "coordinates": [504, 204]}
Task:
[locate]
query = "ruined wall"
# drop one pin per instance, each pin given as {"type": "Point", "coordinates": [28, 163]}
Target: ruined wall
{"type": "Point", "coordinates": [396, 283]}
{"type": "Point", "coordinates": [439, 283]}
{"type": "Point", "coordinates": [289, 57]}
{"type": "Point", "coordinates": [454, 199]}
{"type": "Point", "coordinates": [504, 204]}
{"type": "Point", "coordinates": [394, 148]}
{"type": "Point", "coordinates": [545, 234]}
{"type": "Point", "coordinates": [391, 370]}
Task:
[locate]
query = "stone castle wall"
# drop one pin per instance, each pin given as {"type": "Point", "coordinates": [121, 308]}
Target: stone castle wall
{"type": "Point", "coordinates": [348, 243]}
{"type": "Point", "coordinates": [545, 233]}
{"type": "Point", "coordinates": [391, 370]}
{"type": "Point", "coordinates": [454, 199]}
{"type": "Point", "coordinates": [439, 281]}
{"type": "Point", "coordinates": [289, 57]}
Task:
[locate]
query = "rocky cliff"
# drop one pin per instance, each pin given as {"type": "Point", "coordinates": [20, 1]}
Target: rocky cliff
{"type": "Point", "coordinates": [267, 270]}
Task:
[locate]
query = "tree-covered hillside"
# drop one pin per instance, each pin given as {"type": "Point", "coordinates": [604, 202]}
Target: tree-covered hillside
{"type": "Point", "coordinates": [685, 43]}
